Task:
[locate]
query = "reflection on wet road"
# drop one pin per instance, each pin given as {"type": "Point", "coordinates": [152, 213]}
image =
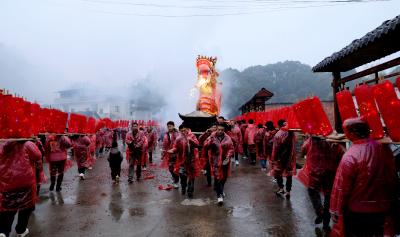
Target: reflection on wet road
{"type": "Point", "coordinates": [96, 207]}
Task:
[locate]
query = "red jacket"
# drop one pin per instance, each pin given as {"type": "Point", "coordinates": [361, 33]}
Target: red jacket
{"type": "Point", "coordinates": [56, 147]}
{"type": "Point", "coordinates": [236, 136]}
{"type": "Point", "coordinates": [243, 128]}
{"type": "Point", "coordinates": [321, 163]}
{"type": "Point", "coordinates": [82, 152]}
{"type": "Point", "coordinates": [365, 181]}
{"type": "Point", "coordinates": [259, 141]}
{"type": "Point", "coordinates": [151, 140]}
{"type": "Point", "coordinates": [168, 143]}
{"type": "Point", "coordinates": [250, 133]}
{"type": "Point", "coordinates": [18, 179]}
{"type": "Point", "coordinates": [217, 152]}
{"type": "Point", "coordinates": [283, 154]}
{"type": "Point", "coordinates": [187, 154]}
{"type": "Point", "coordinates": [268, 137]}
{"type": "Point", "coordinates": [136, 145]}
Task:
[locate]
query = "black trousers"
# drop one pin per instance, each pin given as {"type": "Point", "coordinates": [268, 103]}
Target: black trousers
{"type": "Point", "coordinates": [7, 218]}
{"type": "Point", "coordinates": [150, 157]}
{"type": "Point", "coordinates": [236, 156]}
{"type": "Point", "coordinates": [132, 168]}
{"type": "Point", "coordinates": [320, 210]}
{"type": "Point", "coordinates": [279, 180]}
{"type": "Point", "coordinates": [82, 170]}
{"type": "Point", "coordinates": [245, 151]}
{"type": "Point", "coordinates": [171, 167]}
{"type": "Point", "coordinates": [208, 173]}
{"type": "Point", "coordinates": [219, 187]}
{"type": "Point", "coordinates": [115, 171]}
{"type": "Point", "coordinates": [253, 157]}
{"type": "Point", "coordinates": [363, 224]}
{"type": "Point", "coordinates": [187, 183]}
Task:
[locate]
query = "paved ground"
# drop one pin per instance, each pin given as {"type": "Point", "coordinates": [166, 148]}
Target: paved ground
{"type": "Point", "coordinates": [96, 207]}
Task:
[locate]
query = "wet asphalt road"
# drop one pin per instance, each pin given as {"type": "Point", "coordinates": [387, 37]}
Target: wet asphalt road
{"type": "Point", "coordinates": [96, 207]}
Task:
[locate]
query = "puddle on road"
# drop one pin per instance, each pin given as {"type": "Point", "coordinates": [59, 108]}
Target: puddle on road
{"type": "Point", "coordinates": [196, 202]}
{"type": "Point", "coordinates": [239, 212]}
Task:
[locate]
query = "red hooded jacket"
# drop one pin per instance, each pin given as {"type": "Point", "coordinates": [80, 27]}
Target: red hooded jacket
{"type": "Point", "coordinates": [18, 179]}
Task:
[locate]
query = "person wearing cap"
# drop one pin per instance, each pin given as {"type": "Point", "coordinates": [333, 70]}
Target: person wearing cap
{"type": "Point", "coordinates": [187, 157]}
{"type": "Point", "coordinates": [283, 158]}
{"type": "Point", "coordinates": [219, 149]}
{"type": "Point", "coordinates": [170, 158]}
{"type": "Point", "coordinates": [135, 140]}
{"type": "Point", "coordinates": [17, 185]}
{"type": "Point", "coordinates": [249, 135]}
{"type": "Point", "coordinates": [322, 160]}
{"type": "Point", "coordinates": [364, 190]}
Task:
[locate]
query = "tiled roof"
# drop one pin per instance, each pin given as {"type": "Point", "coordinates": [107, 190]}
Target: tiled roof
{"type": "Point", "coordinates": [377, 44]}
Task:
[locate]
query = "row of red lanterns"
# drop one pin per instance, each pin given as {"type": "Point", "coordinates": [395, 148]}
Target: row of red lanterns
{"type": "Point", "coordinates": [376, 104]}
{"type": "Point", "coordinates": [22, 119]}
{"type": "Point", "coordinates": [307, 115]}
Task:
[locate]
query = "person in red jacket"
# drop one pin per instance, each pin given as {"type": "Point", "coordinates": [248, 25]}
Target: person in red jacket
{"type": "Point", "coordinates": [56, 154]}
{"type": "Point", "coordinates": [283, 158]}
{"type": "Point", "coordinates": [249, 135]}
{"type": "Point", "coordinates": [187, 161]}
{"type": "Point", "coordinates": [243, 127]}
{"type": "Point", "coordinates": [81, 144]}
{"type": "Point", "coordinates": [260, 149]}
{"type": "Point", "coordinates": [92, 149]}
{"type": "Point", "coordinates": [135, 141]}
{"type": "Point", "coordinates": [168, 143]}
{"type": "Point", "coordinates": [152, 142]}
{"type": "Point", "coordinates": [364, 190]}
{"type": "Point", "coordinates": [17, 184]}
{"type": "Point", "coordinates": [322, 160]}
{"type": "Point", "coordinates": [207, 167]}
{"type": "Point", "coordinates": [268, 138]}
{"type": "Point", "coordinates": [219, 150]}
{"type": "Point", "coordinates": [236, 136]}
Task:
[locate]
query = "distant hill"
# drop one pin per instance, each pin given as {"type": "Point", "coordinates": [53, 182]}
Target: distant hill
{"type": "Point", "coordinates": [289, 81]}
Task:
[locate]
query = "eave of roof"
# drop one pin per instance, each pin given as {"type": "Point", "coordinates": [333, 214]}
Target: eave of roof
{"type": "Point", "coordinates": [376, 44]}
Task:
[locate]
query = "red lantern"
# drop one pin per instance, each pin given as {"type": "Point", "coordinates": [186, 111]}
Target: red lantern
{"type": "Point", "coordinates": [346, 105]}
{"type": "Point", "coordinates": [398, 83]}
{"type": "Point", "coordinates": [368, 109]}
{"type": "Point", "coordinates": [389, 106]}
{"type": "Point", "coordinates": [312, 118]}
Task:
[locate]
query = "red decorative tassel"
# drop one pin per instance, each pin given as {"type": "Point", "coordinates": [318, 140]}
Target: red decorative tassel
{"type": "Point", "coordinates": [389, 106]}
{"type": "Point", "coordinates": [368, 109]}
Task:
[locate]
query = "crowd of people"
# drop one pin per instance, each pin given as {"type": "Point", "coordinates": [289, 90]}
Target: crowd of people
{"type": "Point", "coordinates": [359, 186]}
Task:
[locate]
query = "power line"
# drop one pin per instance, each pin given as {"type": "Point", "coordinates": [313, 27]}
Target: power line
{"type": "Point", "coordinates": [264, 7]}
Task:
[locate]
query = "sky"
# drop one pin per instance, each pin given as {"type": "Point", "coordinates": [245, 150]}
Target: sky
{"type": "Point", "coordinates": [50, 45]}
